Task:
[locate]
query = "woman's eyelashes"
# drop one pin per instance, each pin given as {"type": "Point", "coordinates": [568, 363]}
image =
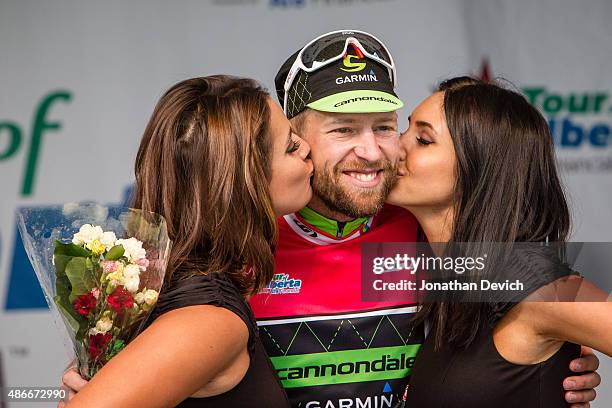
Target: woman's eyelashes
{"type": "Point", "coordinates": [294, 145]}
{"type": "Point", "coordinates": [423, 141]}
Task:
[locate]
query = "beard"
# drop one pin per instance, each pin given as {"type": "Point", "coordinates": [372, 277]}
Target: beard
{"type": "Point", "coordinates": [353, 201]}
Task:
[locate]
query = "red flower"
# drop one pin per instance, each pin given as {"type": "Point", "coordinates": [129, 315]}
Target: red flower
{"type": "Point", "coordinates": [84, 303]}
{"type": "Point", "coordinates": [97, 344]}
{"type": "Point", "coordinates": [120, 299]}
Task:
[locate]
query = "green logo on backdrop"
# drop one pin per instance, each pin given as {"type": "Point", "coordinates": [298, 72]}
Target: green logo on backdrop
{"type": "Point", "coordinates": [12, 132]}
{"type": "Point", "coordinates": [552, 103]}
{"type": "Point", "coordinates": [347, 366]}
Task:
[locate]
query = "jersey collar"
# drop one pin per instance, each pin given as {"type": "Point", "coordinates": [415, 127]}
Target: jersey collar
{"type": "Point", "coordinates": [321, 230]}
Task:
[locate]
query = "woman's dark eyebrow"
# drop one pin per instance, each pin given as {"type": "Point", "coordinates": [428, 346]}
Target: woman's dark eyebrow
{"type": "Point", "coordinates": [423, 124]}
{"type": "Point", "coordinates": [289, 136]}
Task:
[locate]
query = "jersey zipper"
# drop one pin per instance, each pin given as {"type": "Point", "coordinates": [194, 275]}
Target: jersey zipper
{"type": "Point", "coordinates": [340, 230]}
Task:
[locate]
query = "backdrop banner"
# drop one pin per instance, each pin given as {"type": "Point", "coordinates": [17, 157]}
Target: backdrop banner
{"type": "Point", "coordinates": [80, 80]}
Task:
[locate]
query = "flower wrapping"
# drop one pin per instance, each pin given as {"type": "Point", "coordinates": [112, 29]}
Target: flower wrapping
{"type": "Point", "coordinates": [100, 288]}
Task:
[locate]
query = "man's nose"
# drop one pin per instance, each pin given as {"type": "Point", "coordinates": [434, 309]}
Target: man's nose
{"type": "Point", "coordinates": [368, 148]}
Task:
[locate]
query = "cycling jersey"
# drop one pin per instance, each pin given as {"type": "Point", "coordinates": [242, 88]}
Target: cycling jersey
{"type": "Point", "coordinates": [331, 349]}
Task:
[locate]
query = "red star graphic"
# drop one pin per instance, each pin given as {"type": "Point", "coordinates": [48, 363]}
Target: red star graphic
{"type": "Point", "coordinates": [485, 70]}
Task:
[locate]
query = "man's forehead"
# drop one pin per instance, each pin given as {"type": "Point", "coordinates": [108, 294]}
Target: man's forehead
{"type": "Point", "coordinates": [333, 118]}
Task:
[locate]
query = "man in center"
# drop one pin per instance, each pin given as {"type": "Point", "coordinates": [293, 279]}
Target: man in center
{"type": "Point", "coordinates": [329, 347]}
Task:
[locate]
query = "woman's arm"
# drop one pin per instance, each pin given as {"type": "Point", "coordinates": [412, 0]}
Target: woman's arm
{"type": "Point", "coordinates": [586, 323]}
{"type": "Point", "coordinates": [173, 358]}
{"type": "Point", "coordinates": [528, 334]}
{"type": "Point", "coordinates": [587, 320]}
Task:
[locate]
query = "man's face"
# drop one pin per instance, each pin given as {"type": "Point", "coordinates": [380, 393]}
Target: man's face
{"type": "Point", "coordinates": [355, 158]}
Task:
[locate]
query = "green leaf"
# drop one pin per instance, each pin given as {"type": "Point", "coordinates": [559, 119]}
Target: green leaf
{"type": "Point", "coordinates": [81, 277]}
{"type": "Point", "coordinates": [82, 332]}
{"type": "Point", "coordinates": [70, 249]}
{"type": "Point", "coordinates": [114, 253]}
{"type": "Point", "coordinates": [60, 262]}
{"type": "Point", "coordinates": [64, 253]}
{"type": "Point", "coordinates": [114, 348]}
{"type": "Point", "coordinates": [89, 264]}
{"type": "Point", "coordinates": [118, 345]}
{"type": "Point", "coordinates": [63, 287]}
{"type": "Point", "coordinates": [71, 316]}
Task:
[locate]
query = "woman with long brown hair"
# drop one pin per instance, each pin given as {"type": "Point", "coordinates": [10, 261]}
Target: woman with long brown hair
{"type": "Point", "coordinates": [220, 162]}
{"type": "Point", "coordinates": [480, 168]}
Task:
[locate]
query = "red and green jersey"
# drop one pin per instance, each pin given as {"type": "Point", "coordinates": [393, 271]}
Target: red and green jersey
{"type": "Point", "coordinates": [331, 349]}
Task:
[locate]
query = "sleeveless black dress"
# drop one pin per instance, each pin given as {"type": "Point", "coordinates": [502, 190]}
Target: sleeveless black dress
{"type": "Point", "coordinates": [260, 386]}
{"type": "Point", "coordinates": [479, 377]}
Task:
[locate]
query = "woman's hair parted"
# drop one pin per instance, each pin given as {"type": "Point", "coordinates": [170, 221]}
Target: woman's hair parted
{"type": "Point", "coordinates": [507, 187]}
{"type": "Point", "coordinates": [204, 164]}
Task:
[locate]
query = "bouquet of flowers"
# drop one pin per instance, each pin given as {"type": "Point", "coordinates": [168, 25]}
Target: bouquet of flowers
{"type": "Point", "coordinates": [99, 286]}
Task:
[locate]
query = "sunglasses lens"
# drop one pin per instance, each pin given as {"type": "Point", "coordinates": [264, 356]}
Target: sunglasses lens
{"type": "Point", "coordinates": [374, 47]}
{"type": "Point", "coordinates": [332, 45]}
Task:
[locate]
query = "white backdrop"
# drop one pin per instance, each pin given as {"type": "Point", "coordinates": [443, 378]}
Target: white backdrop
{"type": "Point", "coordinates": [79, 80]}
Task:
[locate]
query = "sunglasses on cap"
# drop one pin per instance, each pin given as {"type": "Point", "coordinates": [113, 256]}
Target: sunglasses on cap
{"type": "Point", "coordinates": [319, 53]}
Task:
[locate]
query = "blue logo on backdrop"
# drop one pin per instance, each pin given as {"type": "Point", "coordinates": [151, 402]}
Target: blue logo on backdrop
{"type": "Point", "coordinates": [24, 291]}
{"type": "Point", "coordinates": [287, 3]}
{"type": "Point", "coordinates": [568, 134]}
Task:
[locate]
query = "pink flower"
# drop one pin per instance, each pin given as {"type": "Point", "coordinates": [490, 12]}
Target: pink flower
{"type": "Point", "coordinates": [143, 263]}
{"type": "Point", "coordinates": [109, 266]}
{"type": "Point", "coordinates": [95, 292]}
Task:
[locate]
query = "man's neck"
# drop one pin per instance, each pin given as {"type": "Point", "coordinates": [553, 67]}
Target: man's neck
{"type": "Point", "coordinates": [335, 224]}
{"type": "Point", "coordinates": [319, 206]}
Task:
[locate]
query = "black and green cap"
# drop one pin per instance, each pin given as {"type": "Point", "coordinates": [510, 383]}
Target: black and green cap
{"type": "Point", "coordinates": [353, 84]}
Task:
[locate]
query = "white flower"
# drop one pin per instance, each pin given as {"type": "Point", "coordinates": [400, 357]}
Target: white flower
{"type": "Point", "coordinates": [150, 297]}
{"type": "Point", "coordinates": [108, 239]}
{"type": "Point", "coordinates": [133, 249]}
{"type": "Point", "coordinates": [131, 270]}
{"type": "Point", "coordinates": [86, 234]}
{"type": "Point", "coordinates": [139, 297]}
{"type": "Point", "coordinates": [102, 326]}
{"type": "Point", "coordinates": [132, 283]}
